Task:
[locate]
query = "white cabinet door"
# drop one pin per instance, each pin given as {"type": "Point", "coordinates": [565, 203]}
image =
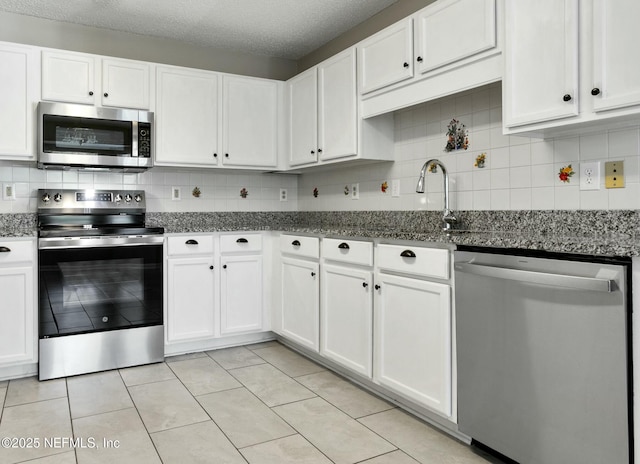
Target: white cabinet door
{"type": "Point", "coordinates": [187, 117]}
{"type": "Point", "coordinates": [190, 295]}
{"type": "Point", "coordinates": [346, 317]}
{"type": "Point", "coordinates": [541, 61]}
{"type": "Point", "coordinates": [250, 122]}
{"type": "Point", "coordinates": [17, 333]}
{"type": "Point", "coordinates": [413, 340]}
{"type": "Point", "coordinates": [387, 57]}
{"type": "Point", "coordinates": [301, 302]}
{"type": "Point", "coordinates": [303, 118]}
{"type": "Point", "coordinates": [69, 77]}
{"type": "Point", "coordinates": [18, 97]}
{"type": "Point", "coordinates": [337, 131]}
{"type": "Point", "coordinates": [437, 47]}
{"type": "Point", "coordinates": [241, 294]}
{"type": "Point", "coordinates": [125, 84]}
{"type": "Point", "coordinates": [616, 73]}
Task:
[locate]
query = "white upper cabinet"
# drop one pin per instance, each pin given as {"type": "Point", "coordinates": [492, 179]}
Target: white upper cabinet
{"type": "Point", "coordinates": [187, 117]}
{"type": "Point", "coordinates": [89, 79]}
{"type": "Point", "coordinates": [386, 57]}
{"type": "Point", "coordinates": [303, 118]}
{"type": "Point", "coordinates": [250, 121]}
{"type": "Point", "coordinates": [575, 76]}
{"type": "Point", "coordinates": [337, 107]}
{"type": "Point", "coordinates": [541, 61]}
{"type": "Point", "coordinates": [616, 73]}
{"type": "Point", "coordinates": [474, 26]}
{"type": "Point", "coordinates": [19, 96]}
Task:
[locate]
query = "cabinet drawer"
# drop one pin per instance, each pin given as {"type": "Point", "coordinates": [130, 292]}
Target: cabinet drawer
{"type": "Point", "coordinates": [430, 262]}
{"type": "Point", "coordinates": [300, 246]}
{"type": "Point", "coordinates": [348, 251]}
{"type": "Point", "coordinates": [18, 252]}
{"type": "Point", "coordinates": [240, 242]}
{"type": "Point", "coordinates": [190, 245]}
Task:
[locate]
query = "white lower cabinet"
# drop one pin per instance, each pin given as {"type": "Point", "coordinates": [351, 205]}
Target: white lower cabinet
{"type": "Point", "coordinates": [301, 302]}
{"type": "Point", "coordinates": [241, 295]}
{"type": "Point", "coordinates": [412, 340]}
{"type": "Point", "coordinates": [191, 290]}
{"type": "Point", "coordinates": [346, 317]}
{"type": "Point", "coordinates": [18, 333]}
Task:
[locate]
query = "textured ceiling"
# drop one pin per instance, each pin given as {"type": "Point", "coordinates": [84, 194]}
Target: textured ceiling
{"type": "Point", "coordinates": [280, 28]}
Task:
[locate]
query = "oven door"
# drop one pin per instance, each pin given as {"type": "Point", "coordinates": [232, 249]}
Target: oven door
{"type": "Point", "coordinates": [91, 284]}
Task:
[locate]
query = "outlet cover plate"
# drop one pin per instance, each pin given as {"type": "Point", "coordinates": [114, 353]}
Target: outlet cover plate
{"type": "Point", "coordinates": [614, 174]}
{"type": "Point", "coordinates": [395, 188]}
{"type": "Point", "coordinates": [283, 195]}
{"type": "Point", "coordinates": [8, 191]}
{"type": "Point", "coordinates": [590, 176]}
{"type": "Point", "coordinates": [355, 191]}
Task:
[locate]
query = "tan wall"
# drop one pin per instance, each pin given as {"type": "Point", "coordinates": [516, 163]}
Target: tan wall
{"type": "Point", "coordinates": [55, 34]}
{"type": "Point", "coordinates": [397, 11]}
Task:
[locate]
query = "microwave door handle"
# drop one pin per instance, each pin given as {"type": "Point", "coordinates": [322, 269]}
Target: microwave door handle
{"type": "Point", "coordinates": [542, 278]}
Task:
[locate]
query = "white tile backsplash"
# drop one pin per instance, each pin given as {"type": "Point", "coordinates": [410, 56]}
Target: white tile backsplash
{"type": "Point", "coordinates": [520, 172]}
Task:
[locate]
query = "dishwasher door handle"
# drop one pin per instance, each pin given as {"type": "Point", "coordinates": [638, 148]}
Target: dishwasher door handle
{"type": "Point", "coordinates": [535, 277]}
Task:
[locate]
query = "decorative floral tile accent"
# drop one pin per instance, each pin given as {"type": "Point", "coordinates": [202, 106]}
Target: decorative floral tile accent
{"type": "Point", "coordinates": [244, 193]}
{"type": "Point", "coordinates": [457, 136]}
{"type": "Point", "coordinates": [384, 187]}
{"type": "Point", "coordinates": [315, 192]}
{"type": "Point", "coordinates": [433, 168]}
{"type": "Point", "coordinates": [346, 190]}
{"type": "Point", "coordinates": [566, 173]}
{"type": "Point", "coordinates": [480, 160]}
{"type": "Point", "coordinates": [196, 192]}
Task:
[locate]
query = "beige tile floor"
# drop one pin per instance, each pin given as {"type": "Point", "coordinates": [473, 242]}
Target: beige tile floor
{"type": "Point", "coordinates": [258, 404]}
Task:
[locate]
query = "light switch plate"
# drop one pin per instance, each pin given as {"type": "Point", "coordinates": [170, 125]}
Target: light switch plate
{"type": "Point", "coordinates": [614, 174]}
{"type": "Point", "coordinates": [395, 188]}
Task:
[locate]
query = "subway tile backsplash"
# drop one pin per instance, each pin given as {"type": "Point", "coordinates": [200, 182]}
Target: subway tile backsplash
{"type": "Point", "coordinates": [520, 173]}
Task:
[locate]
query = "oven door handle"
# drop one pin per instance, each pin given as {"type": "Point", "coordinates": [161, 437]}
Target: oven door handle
{"type": "Point", "coordinates": [94, 242]}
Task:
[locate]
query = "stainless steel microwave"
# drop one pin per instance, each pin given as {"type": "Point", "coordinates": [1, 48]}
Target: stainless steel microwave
{"type": "Point", "coordinates": [90, 137]}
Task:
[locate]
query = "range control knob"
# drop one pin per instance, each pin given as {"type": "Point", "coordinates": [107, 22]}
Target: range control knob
{"type": "Point", "coordinates": [57, 197]}
{"type": "Point", "coordinates": [127, 198]}
{"type": "Point", "coordinates": [138, 198]}
{"type": "Point", "coordinates": [118, 198]}
{"type": "Point", "coordinates": [46, 198]}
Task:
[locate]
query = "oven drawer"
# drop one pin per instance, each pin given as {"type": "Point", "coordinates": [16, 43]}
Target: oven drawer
{"type": "Point", "coordinates": [238, 243]}
{"type": "Point", "coordinates": [190, 245]}
{"type": "Point", "coordinates": [348, 251]}
{"type": "Point", "coordinates": [16, 251]}
{"type": "Point", "coordinates": [428, 262]}
{"type": "Point", "coordinates": [308, 247]}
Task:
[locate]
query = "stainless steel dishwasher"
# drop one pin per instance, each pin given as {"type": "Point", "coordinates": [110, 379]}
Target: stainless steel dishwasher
{"type": "Point", "coordinates": [544, 359]}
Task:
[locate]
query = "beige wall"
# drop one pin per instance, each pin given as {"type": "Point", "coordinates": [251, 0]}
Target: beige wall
{"type": "Point", "coordinates": [397, 11]}
{"type": "Point", "coordinates": [67, 36]}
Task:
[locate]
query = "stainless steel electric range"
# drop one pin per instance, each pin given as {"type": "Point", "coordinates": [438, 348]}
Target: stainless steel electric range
{"type": "Point", "coordinates": [100, 282]}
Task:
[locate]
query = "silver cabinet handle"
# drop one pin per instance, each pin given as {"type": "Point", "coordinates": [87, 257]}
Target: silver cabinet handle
{"type": "Point", "coordinates": [543, 278]}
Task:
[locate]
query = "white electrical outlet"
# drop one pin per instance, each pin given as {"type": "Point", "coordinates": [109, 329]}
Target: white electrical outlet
{"type": "Point", "coordinates": [175, 193]}
{"type": "Point", "coordinates": [8, 191]}
{"type": "Point", "coordinates": [355, 191]}
{"type": "Point", "coordinates": [590, 176]}
{"type": "Point", "coordinates": [395, 188]}
{"type": "Point", "coordinates": [283, 195]}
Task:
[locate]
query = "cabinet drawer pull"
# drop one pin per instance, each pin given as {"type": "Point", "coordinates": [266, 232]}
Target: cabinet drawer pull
{"type": "Point", "coordinates": [566, 98]}
{"type": "Point", "coordinates": [91, 93]}
{"type": "Point", "coordinates": [376, 286]}
{"type": "Point", "coordinates": [343, 246]}
{"type": "Point", "coordinates": [313, 274]}
{"type": "Point", "coordinates": [406, 65]}
{"type": "Point", "coordinates": [4, 249]}
{"type": "Point", "coordinates": [242, 240]}
{"type": "Point", "coordinates": [224, 266]}
{"type": "Point", "coordinates": [295, 243]}
{"type": "Point", "coordinates": [106, 94]}
{"type": "Point", "coordinates": [210, 267]}
{"type": "Point", "coordinates": [595, 91]}
{"type": "Point", "coordinates": [408, 254]}
{"type": "Point", "coordinates": [365, 284]}
{"type": "Point", "coordinates": [419, 59]}
{"type": "Point", "coordinates": [191, 242]}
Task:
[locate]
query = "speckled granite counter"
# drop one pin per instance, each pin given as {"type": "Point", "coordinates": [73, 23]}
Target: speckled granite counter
{"type": "Point", "coordinates": [610, 233]}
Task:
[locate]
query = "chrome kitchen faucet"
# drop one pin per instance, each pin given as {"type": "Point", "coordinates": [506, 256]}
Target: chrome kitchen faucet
{"type": "Point", "coordinates": [448, 218]}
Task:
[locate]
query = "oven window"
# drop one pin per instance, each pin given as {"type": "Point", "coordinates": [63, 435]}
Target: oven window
{"type": "Point", "coordinates": [66, 134]}
{"type": "Point", "coordinates": [95, 289]}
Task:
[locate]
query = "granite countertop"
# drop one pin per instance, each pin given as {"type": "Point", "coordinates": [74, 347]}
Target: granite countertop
{"type": "Point", "coordinates": [604, 233]}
